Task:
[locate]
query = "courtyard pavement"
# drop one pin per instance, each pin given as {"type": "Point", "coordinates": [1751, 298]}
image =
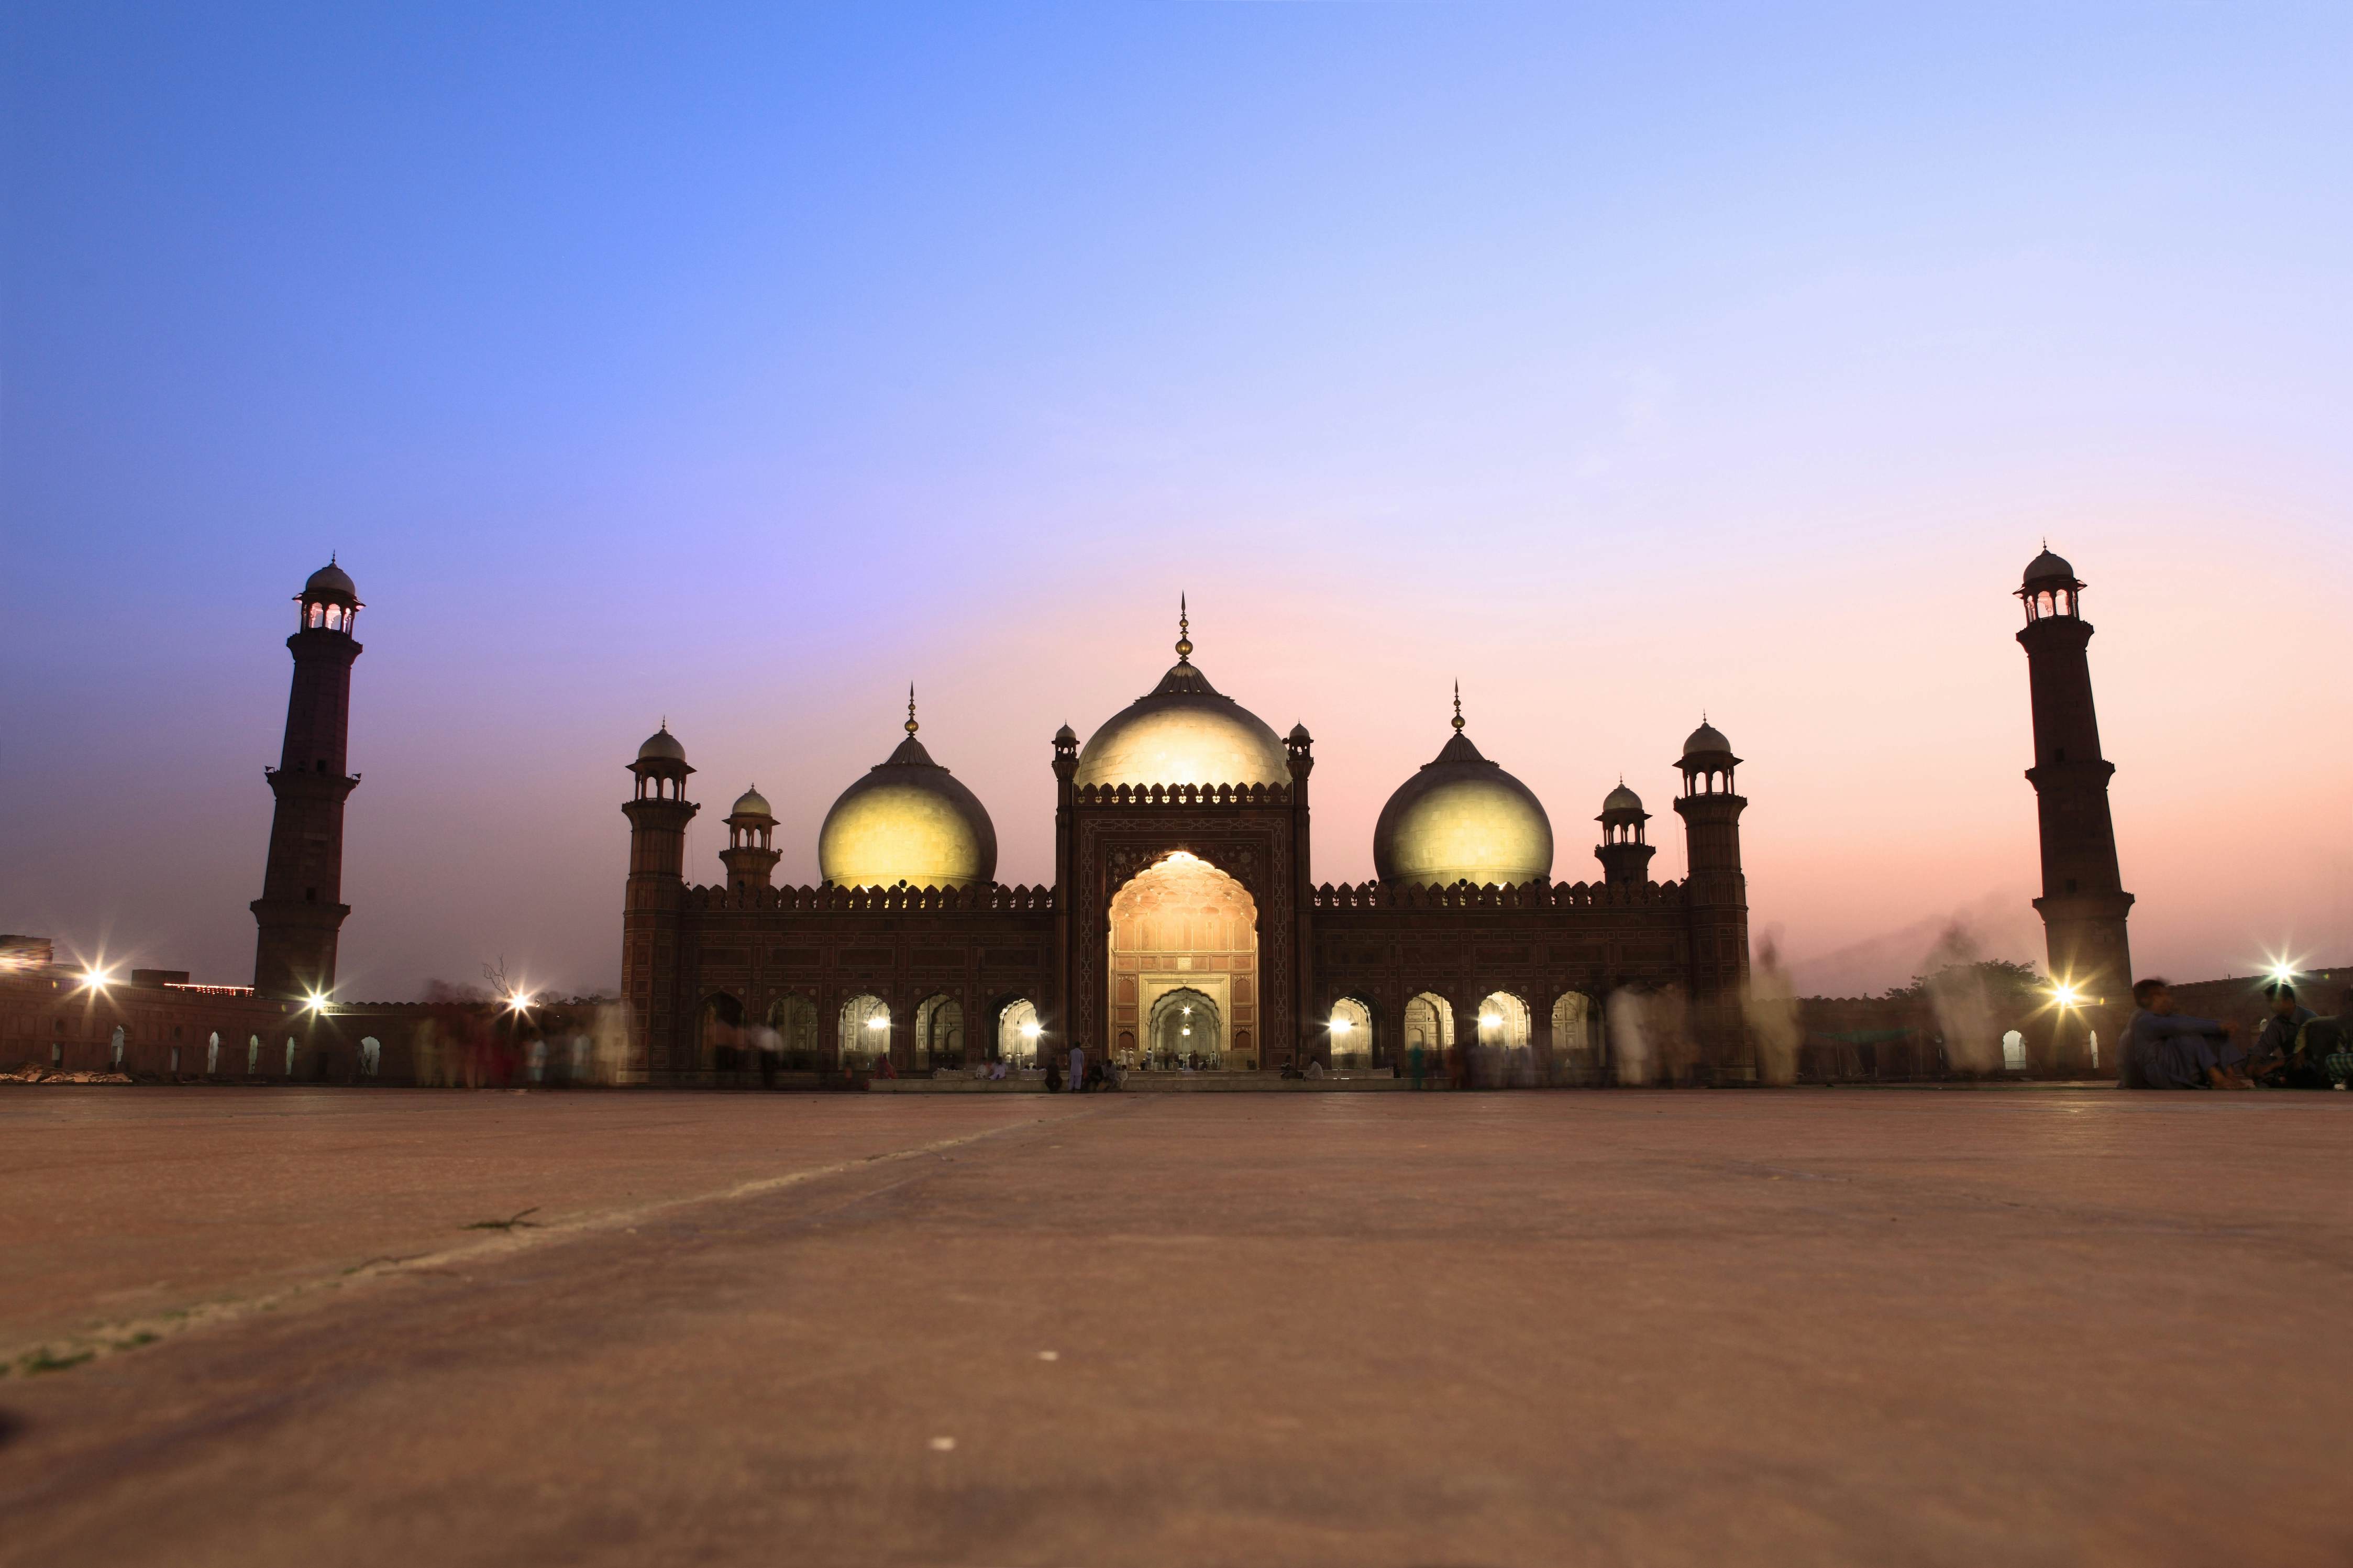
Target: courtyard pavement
{"type": "Point", "coordinates": [266, 1326]}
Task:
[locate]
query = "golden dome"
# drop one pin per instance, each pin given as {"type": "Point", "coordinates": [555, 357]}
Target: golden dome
{"type": "Point", "coordinates": [1463, 819]}
{"type": "Point", "coordinates": [1184, 732]}
{"type": "Point", "coordinates": [908, 820]}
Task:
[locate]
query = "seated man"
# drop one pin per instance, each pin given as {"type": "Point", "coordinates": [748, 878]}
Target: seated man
{"type": "Point", "coordinates": [2165, 1050]}
{"type": "Point", "coordinates": [2322, 1058]}
{"type": "Point", "coordinates": [2269, 1061]}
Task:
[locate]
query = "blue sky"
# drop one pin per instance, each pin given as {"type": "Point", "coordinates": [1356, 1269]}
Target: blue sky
{"type": "Point", "coordinates": [741, 365]}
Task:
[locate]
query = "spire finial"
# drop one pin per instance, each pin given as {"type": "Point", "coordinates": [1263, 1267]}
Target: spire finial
{"type": "Point", "coordinates": [665, 723]}
{"type": "Point", "coordinates": [1458, 708]}
{"type": "Point", "coordinates": [1184, 630]}
{"type": "Point", "coordinates": [330, 558]}
{"type": "Point", "coordinates": [910, 708]}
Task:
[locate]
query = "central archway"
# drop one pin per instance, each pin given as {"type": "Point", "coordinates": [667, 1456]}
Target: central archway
{"type": "Point", "coordinates": [1182, 925]}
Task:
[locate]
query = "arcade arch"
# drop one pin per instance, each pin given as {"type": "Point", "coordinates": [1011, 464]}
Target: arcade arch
{"type": "Point", "coordinates": [1506, 1041]}
{"type": "Point", "coordinates": [1017, 1033]}
{"type": "Point", "coordinates": [794, 1017]}
{"type": "Point", "coordinates": [939, 1032]}
{"type": "Point", "coordinates": [1575, 1058]}
{"type": "Point", "coordinates": [1350, 1027]}
{"type": "Point", "coordinates": [865, 1032]}
{"type": "Point", "coordinates": [721, 1032]}
{"type": "Point", "coordinates": [1429, 1025]}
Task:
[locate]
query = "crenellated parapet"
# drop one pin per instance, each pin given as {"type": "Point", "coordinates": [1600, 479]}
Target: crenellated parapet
{"type": "Point", "coordinates": [1526, 896]}
{"type": "Point", "coordinates": [1183, 795]}
{"type": "Point", "coordinates": [827, 899]}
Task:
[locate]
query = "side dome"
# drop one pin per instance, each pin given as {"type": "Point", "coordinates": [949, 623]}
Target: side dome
{"type": "Point", "coordinates": [1621, 799]}
{"type": "Point", "coordinates": [908, 820]}
{"type": "Point", "coordinates": [661, 746]}
{"type": "Point", "coordinates": [1183, 731]}
{"type": "Point", "coordinates": [1463, 819]}
{"type": "Point", "coordinates": [751, 802]}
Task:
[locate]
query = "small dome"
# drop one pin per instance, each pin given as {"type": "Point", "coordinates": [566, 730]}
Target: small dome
{"type": "Point", "coordinates": [1463, 819]}
{"type": "Point", "coordinates": [1706, 741]}
{"type": "Point", "coordinates": [2047, 567]}
{"type": "Point", "coordinates": [661, 746]}
{"type": "Point", "coordinates": [908, 820]}
{"type": "Point", "coordinates": [1183, 731]}
{"type": "Point", "coordinates": [752, 803]}
{"type": "Point", "coordinates": [1622, 799]}
{"type": "Point", "coordinates": [331, 582]}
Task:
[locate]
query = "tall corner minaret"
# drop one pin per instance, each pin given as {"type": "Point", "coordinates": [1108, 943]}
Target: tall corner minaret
{"type": "Point", "coordinates": [652, 913]}
{"type": "Point", "coordinates": [1716, 892]}
{"type": "Point", "coordinates": [301, 909]}
{"type": "Point", "coordinates": [2083, 903]}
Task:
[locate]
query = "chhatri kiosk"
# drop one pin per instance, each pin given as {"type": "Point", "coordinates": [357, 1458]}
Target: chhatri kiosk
{"type": "Point", "coordinates": [1183, 922]}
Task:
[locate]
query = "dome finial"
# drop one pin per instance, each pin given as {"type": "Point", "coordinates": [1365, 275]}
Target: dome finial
{"type": "Point", "coordinates": [1184, 630]}
{"type": "Point", "coordinates": [910, 708]}
{"type": "Point", "coordinates": [1458, 707]}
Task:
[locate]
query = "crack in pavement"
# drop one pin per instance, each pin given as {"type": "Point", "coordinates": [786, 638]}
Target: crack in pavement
{"type": "Point", "coordinates": [63, 1352]}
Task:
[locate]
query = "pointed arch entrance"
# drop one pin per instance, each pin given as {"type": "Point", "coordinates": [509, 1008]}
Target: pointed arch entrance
{"type": "Point", "coordinates": [1181, 925]}
{"type": "Point", "coordinates": [1186, 1024]}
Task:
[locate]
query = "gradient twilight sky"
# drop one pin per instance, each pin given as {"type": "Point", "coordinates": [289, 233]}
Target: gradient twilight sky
{"type": "Point", "coordinates": [743, 365]}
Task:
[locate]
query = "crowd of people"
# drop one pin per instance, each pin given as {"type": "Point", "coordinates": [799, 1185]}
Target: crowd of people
{"type": "Point", "coordinates": [2296, 1048]}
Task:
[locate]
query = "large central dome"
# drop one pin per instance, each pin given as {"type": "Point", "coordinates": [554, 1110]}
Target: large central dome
{"type": "Point", "coordinates": [1184, 732]}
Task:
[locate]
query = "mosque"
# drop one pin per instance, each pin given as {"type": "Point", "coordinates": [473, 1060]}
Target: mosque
{"type": "Point", "coordinates": [1183, 924]}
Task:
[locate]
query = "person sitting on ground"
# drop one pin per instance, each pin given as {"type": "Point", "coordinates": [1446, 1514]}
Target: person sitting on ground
{"type": "Point", "coordinates": [1053, 1074]}
{"type": "Point", "coordinates": [2165, 1048]}
{"type": "Point", "coordinates": [2269, 1062]}
{"type": "Point", "coordinates": [2323, 1057]}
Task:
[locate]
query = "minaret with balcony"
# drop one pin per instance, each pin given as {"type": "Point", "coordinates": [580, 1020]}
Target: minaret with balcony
{"type": "Point", "coordinates": [2084, 904]}
{"type": "Point", "coordinates": [300, 912]}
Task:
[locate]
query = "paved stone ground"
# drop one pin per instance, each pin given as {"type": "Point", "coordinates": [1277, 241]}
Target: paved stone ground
{"type": "Point", "coordinates": [1697, 1327]}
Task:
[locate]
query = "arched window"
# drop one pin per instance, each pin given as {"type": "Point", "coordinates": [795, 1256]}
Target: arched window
{"type": "Point", "coordinates": [334, 617]}
{"type": "Point", "coordinates": [318, 615]}
{"type": "Point", "coordinates": [2013, 1051]}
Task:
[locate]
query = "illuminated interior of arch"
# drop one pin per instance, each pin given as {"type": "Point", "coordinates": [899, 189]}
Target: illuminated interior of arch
{"type": "Point", "coordinates": [1351, 1027]}
{"type": "Point", "coordinates": [1017, 1033]}
{"type": "Point", "coordinates": [1184, 925]}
